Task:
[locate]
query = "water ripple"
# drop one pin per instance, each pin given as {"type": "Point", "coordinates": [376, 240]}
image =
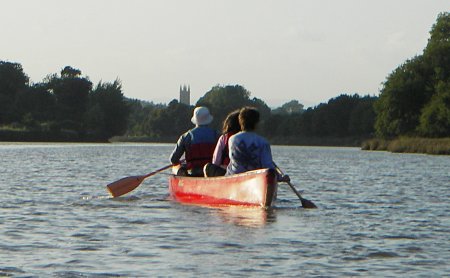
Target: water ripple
{"type": "Point", "coordinates": [378, 216]}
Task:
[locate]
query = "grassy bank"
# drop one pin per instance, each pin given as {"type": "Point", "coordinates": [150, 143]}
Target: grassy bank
{"type": "Point", "coordinates": [143, 139]}
{"type": "Point", "coordinates": [316, 141]}
{"type": "Point", "coordinates": [409, 145]}
{"type": "Point", "coordinates": [23, 135]}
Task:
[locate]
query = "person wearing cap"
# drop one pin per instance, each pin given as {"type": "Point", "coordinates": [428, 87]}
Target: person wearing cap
{"type": "Point", "coordinates": [248, 150]}
{"type": "Point", "coordinates": [196, 144]}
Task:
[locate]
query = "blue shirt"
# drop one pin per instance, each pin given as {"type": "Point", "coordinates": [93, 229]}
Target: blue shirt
{"type": "Point", "coordinates": [248, 151]}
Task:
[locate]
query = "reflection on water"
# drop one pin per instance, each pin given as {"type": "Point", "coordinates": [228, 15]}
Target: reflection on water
{"type": "Point", "coordinates": [380, 215]}
{"type": "Point", "coordinates": [246, 216]}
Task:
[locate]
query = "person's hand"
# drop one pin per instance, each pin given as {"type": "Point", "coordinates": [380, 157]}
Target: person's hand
{"type": "Point", "coordinates": [285, 178]}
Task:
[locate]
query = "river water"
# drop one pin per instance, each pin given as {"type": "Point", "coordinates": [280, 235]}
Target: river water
{"type": "Point", "coordinates": [380, 215]}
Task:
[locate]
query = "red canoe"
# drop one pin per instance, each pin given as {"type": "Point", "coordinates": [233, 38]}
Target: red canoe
{"type": "Point", "coordinates": [253, 188]}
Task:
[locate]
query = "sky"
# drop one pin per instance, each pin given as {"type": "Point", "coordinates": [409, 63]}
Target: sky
{"type": "Point", "coordinates": [279, 50]}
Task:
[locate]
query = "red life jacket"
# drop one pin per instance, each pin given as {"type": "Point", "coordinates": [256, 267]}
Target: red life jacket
{"type": "Point", "coordinates": [201, 150]}
{"type": "Point", "coordinates": [225, 153]}
{"type": "Point", "coordinates": [199, 154]}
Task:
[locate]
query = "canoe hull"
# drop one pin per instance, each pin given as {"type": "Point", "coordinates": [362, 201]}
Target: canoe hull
{"type": "Point", "coordinates": [253, 188]}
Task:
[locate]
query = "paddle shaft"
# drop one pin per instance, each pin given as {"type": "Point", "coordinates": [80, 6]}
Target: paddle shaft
{"type": "Point", "coordinates": [305, 203]}
{"type": "Point", "coordinates": [295, 190]}
{"type": "Point", "coordinates": [157, 171]}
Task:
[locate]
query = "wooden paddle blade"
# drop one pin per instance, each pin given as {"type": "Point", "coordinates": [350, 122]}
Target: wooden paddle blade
{"type": "Point", "coordinates": [125, 185]}
{"type": "Point", "coordinates": [307, 204]}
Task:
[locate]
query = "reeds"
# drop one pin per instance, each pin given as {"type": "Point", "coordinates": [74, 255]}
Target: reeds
{"type": "Point", "coordinates": [438, 146]}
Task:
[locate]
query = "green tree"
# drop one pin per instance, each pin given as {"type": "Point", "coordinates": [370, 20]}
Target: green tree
{"type": "Point", "coordinates": [435, 118]}
{"type": "Point", "coordinates": [108, 111]}
{"type": "Point", "coordinates": [72, 96]}
{"type": "Point", "coordinates": [342, 116]}
{"type": "Point", "coordinates": [437, 50]}
{"type": "Point", "coordinates": [222, 100]}
{"type": "Point", "coordinates": [304, 125]}
{"type": "Point", "coordinates": [408, 101]}
{"type": "Point", "coordinates": [12, 82]}
{"type": "Point", "coordinates": [69, 72]}
{"type": "Point", "coordinates": [179, 115]}
{"type": "Point", "coordinates": [362, 117]}
{"type": "Point", "coordinates": [280, 125]}
{"type": "Point", "coordinates": [402, 98]}
{"type": "Point", "coordinates": [335, 117]}
{"type": "Point", "coordinates": [38, 102]}
{"type": "Point", "coordinates": [154, 125]}
{"type": "Point", "coordinates": [290, 107]}
{"type": "Point", "coordinates": [170, 121]}
{"type": "Point", "coordinates": [138, 113]}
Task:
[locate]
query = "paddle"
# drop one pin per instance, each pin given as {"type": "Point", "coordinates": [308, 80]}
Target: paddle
{"type": "Point", "coordinates": [125, 185]}
{"type": "Point", "coordinates": [305, 203]}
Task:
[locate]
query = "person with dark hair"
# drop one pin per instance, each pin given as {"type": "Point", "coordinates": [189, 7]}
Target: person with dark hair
{"type": "Point", "coordinates": [220, 157]}
{"type": "Point", "coordinates": [248, 150]}
{"type": "Point", "coordinates": [196, 144]}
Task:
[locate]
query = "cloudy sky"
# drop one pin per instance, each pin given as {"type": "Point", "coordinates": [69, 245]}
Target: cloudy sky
{"type": "Point", "coordinates": [279, 50]}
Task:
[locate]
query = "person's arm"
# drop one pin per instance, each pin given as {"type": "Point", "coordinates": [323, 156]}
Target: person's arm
{"type": "Point", "coordinates": [267, 162]}
{"type": "Point", "coordinates": [218, 151]}
{"type": "Point", "coordinates": [266, 157]}
{"type": "Point", "coordinates": [179, 149]}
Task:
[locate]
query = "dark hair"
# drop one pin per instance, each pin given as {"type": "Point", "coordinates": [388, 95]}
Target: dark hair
{"type": "Point", "coordinates": [231, 123]}
{"type": "Point", "coordinates": [248, 118]}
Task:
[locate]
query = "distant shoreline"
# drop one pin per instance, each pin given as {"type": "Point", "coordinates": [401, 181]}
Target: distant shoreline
{"type": "Point", "coordinates": [289, 140]}
{"type": "Point", "coordinates": [433, 146]}
{"type": "Point", "coordinates": [8, 135]}
{"type": "Point", "coordinates": [67, 136]}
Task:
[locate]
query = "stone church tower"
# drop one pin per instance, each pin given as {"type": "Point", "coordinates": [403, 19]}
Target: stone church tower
{"type": "Point", "coordinates": [185, 94]}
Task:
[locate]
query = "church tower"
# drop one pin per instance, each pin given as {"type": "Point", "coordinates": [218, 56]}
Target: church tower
{"type": "Point", "coordinates": [185, 94]}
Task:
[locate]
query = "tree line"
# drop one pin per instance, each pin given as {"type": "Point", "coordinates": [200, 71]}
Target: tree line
{"type": "Point", "coordinates": [67, 107]}
{"type": "Point", "coordinates": [415, 98]}
{"type": "Point", "coordinates": [414, 101]}
{"type": "Point", "coordinates": [343, 117]}
{"type": "Point", "coordinates": [63, 107]}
